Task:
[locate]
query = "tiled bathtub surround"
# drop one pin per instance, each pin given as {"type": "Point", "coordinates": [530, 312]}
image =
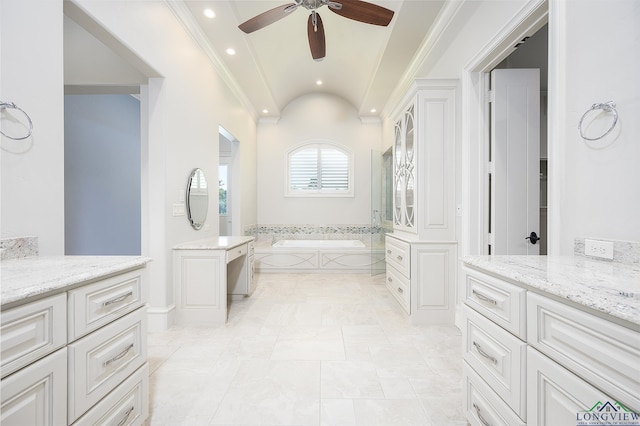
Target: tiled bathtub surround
{"type": "Point", "coordinates": [627, 252]}
{"type": "Point", "coordinates": [18, 248]}
{"type": "Point", "coordinates": [364, 233]}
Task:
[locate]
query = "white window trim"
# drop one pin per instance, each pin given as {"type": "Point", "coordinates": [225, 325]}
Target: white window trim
{"type": "Point", "coordinates": [320, 193]}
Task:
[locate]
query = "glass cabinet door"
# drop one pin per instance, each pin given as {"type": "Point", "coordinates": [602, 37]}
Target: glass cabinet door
{"type": "Point", "coordinates": [404, 171]}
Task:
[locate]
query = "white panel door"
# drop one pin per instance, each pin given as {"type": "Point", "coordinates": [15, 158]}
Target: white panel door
{"type": "Point", "coordinates": [515, 145]}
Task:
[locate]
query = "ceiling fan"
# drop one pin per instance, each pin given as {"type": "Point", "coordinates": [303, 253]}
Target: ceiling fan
{"type": "Point", "coordinates": [353, 9]}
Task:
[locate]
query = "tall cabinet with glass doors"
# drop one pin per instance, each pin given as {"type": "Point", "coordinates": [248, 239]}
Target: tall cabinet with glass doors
{"type": "Point", "coordinates": [421, 251]}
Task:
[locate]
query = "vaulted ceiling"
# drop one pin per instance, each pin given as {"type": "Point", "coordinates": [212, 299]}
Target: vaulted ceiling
{"type": "Point", "coordinates": [273, 65]}
{"type": "Point", "coordinates": [364, 64]}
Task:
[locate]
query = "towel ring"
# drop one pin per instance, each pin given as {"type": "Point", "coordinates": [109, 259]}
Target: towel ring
{"type": "Point", "coordinates": [607, 107]}
{"type": "Point", "coordinates": [6, 105]}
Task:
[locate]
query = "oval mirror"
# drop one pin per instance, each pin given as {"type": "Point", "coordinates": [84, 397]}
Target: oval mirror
{"type": "Point", "coordinates": [197, 199]}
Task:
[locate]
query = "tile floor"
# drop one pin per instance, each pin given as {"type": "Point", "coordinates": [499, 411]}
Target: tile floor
{"type": "Point", "coordinates": [309, 349]}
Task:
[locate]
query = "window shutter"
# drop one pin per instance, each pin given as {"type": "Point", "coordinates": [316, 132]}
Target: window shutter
{"type": "Point", "coordinates": [320, 169]}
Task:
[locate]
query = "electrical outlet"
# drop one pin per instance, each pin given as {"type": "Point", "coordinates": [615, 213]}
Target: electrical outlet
{"type": "Point", "coordinates": [598, 248]}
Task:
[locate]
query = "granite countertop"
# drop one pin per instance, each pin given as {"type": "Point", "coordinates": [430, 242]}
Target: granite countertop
{"type": "Point", "coordinates": [609, 288]}
{"type": "Point", "coordinates": [38, 276]}
{"type": "Point", "coordinates": [217, 243]}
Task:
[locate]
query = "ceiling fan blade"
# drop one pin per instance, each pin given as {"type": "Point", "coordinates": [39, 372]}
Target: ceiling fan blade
{"type": "Point", "coordinates": [315, 31]}
{"type": "Point", "coordinates": [364, 12]}
{"type": "Point", "coordinates": [266, 18]}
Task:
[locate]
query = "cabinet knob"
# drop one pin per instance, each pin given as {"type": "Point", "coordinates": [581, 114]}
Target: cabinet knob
{"type": "Point", "coordinates": [400, 290]}
{"type": "Point", "coordinates": [400, 258]}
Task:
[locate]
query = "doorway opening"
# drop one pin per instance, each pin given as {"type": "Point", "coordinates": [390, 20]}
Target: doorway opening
{"type": "Point", "coordinates": [517, 149]}
{"type": "Point", "coordinates": [476, 115]}
{"type": "Point", "coordinates": [228, 184]}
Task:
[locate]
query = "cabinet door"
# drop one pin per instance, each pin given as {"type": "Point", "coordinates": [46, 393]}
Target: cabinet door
{"type": "Point", "coordinates": [398, 161]}
{"type": "Point", "coordinates": [409, 188]}
{"type": "Point", "coordinates": [555, 396]}
{"type": "Point", "coordinates": [200, 279]}
{"type": "Point", "coordinates": [404, 179]}
{"type": "Point", "coordinates": [37, 394]}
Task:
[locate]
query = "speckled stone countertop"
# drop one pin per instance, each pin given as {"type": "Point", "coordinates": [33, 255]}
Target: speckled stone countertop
{"type": "Point", "coordinates": [32, 277]}
{"type": "Point", "coordinates": [217, 243]}
{"type": "Point", "coordinates": [608, 288]}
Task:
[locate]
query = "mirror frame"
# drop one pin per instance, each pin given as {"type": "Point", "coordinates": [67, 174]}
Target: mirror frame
{"type": "Point", "coordinates": [196, 224]}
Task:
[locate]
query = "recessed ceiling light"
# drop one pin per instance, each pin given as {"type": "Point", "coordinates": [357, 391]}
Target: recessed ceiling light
{"type": "Point", "coordinates": [230, 51]}
{"type": "Point", "coordinates": [265, 111]}
{"type": "Point", "coordinates": [373, 110]}
{"type": "Point", "coordinates": [209, 13]}
{"type": "Point", "coordinates": [319, 82]}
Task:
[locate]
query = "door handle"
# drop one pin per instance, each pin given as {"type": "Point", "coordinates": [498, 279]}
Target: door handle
{"type": "Point", "coordinates": [533, 238]}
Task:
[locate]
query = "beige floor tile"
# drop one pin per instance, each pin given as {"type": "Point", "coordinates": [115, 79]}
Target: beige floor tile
{"type": "Point", "coordinates": [309, 350]}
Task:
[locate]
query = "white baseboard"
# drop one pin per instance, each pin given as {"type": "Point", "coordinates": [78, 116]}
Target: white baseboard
{"type": "Point", "coordinates": [160, 319]}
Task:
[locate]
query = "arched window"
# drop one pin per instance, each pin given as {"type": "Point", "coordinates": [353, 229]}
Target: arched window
{"type": "Point", "coordinates": [319, 168]}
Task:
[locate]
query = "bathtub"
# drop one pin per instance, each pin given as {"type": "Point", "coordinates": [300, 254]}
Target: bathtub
{"type": "Point", "coordinates": [320, 244]}
{"type": "Point", "coordinates": [317, 256]}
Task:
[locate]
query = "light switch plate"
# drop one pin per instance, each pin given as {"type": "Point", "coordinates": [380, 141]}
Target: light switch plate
{"type": "Point", "coordinates": [178, 209]}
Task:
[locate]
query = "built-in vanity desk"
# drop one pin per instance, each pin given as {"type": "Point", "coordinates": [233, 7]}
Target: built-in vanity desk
{"type": "Point", "coordinates": [550, 340]}
{"type": "Point", "coordinates": [206, 273]}
{"type": "Point", "coordinates": [73, 340]}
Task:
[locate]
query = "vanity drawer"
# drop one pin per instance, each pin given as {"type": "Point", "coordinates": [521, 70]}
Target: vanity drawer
{"type": "Point", "coordinates": [398, 254]}
{"type": "Point", "coordinates": [103, 359]}
{"type": "Point", "coordinates": [236, 252]}
{"type": "Point", "coordinates": [37, 394]}
{"type": "Point", "coordinates": [601, 352]}
{"type": "Point", "coordinates": [31, 331]}
{"type": "Point", "coordinates": [500, 301]}
{"type": "Point", "coordinates": [483, 406]}
{"type": "Point", "coordinates": [498, 357]}
{"type": "Point", "coordinates": [128, 404]}
{"type": "Point", "coordinates": [94, 305]}
{"type": "Point", "coordinates": [400, 287]}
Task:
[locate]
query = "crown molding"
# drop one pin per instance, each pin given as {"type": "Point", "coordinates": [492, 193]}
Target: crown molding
{"type": "Point", "coordinates": [441, 24]}
{"type": "Point", "coordinates": [184, 16]}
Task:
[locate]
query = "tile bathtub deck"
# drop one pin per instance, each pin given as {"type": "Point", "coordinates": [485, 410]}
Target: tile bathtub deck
{"type": "Point", "coordinates": [309, 349]}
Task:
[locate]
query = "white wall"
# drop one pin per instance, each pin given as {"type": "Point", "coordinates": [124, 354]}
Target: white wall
{"type": "Point", "coordinates": [182, 105]}
{"type": "Point", "coordinates": [596, 183]}
{"type": "Point", "coordinates": [312, 117]}
{"type": "Point", "coordinates": [31, 76]}
{"type": "Point", "coordinates": [188, 104]}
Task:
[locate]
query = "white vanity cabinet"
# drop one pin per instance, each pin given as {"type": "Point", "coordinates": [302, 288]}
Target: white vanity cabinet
{"type": "Point", "coordinates": [423, 202]}
{"type": "Point", "coordinates": [206, 273]}
{"type": "Point", "coordinates": [78, 352]}
{"type": "Point", "coordinates": [535, 358]}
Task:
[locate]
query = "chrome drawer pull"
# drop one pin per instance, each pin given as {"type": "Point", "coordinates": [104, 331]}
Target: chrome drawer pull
{"type": "Point", "coordinates": [482, 420]}
{"type": "Point", "coordinates": [484, 298]}
{"type": "Point", "coordinates": [126, 416]}
{"type": "Point", "coordinates": [400, 258]}
{"type": "Point", "coordinates": [117, 299]}
{"type": "Point", "coordinates": [388, 251]}
{"type": "Point", "coordinates": [484, 354]}
{"type": "Point", "coordinates": [119, 356]}
{"type": "Point", "coordinates": [400, 290]}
